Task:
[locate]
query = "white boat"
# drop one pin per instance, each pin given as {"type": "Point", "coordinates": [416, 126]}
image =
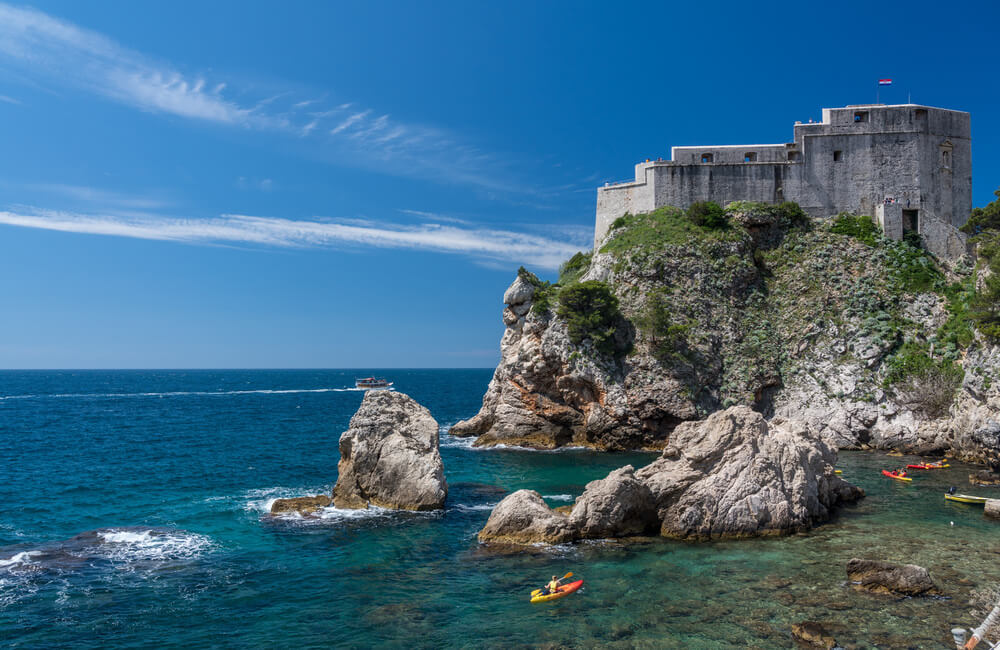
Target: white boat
{"type": "Point", "coordinates": [372, 383]}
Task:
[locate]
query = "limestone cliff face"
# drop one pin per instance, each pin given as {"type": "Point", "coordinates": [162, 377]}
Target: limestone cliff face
{"type": "Point", "coordinates": [795, 320]}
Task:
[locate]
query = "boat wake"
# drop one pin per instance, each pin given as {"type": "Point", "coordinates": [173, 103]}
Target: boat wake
{"type": "Point", "coordinates": [187, 393]}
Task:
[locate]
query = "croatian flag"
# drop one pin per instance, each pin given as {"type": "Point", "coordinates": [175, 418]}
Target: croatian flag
{"type": "Point", "coordinates": [885, 82]}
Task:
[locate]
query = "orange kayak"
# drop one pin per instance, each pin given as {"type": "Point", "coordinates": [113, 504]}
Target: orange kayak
{"type": "Point", "coordinates": [895, 476]}
{"type": "Point", "coordinates": [564, 590]}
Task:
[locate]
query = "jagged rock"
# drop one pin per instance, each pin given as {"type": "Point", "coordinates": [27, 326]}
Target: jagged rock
{"type": "Point", "coordinates": [731, 475]}
{"type": "Point", "coordinates": [520, 292]}
{"type": "Point", "coordinates": [301, 505]}
{"type": "Point", "coordinates": [992, 508]}
{"type": "Point", "coordinates": [618, 505]}
{"type": "Point", "coordinates": [813, 635]}
{"type": "Point", "coordinates": [984, 477]}
{"type": "Point", "coordinates": [389, 457]}
{"type": "Point", "coordinates": [736, 475]}
{"type": "Point", "coordinates": [886, 578]}
{"type": "Point", "coordinates": [524, 518]}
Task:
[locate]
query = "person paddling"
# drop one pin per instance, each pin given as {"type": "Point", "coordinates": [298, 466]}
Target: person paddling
{"type": "Point", "coordinates": [553, 586]}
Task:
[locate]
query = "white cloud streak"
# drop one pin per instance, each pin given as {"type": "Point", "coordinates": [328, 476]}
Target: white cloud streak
{"type": "Point", "coordinates": [81, 58]}
{"type": "Point", "coordinates": [9, 100]}
{"type": "Point", "coordinates": [477, 243]}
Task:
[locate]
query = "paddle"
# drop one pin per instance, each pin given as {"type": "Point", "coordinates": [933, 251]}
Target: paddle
{"type": "Point", "coordinates": [565, 577]}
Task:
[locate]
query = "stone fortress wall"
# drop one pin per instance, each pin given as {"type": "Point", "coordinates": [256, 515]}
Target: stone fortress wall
{"type": "Point", "coordinates": [910, 166]}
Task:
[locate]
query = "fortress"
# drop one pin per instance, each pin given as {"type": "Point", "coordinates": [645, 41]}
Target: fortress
{"type": "Point", "coordinates": [909, 166]}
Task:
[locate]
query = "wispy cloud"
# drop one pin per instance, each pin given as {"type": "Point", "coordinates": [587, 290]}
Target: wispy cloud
{"type": "Point", "coordinates": [9, 100]}
{"type": "Point", "coordinates": [95, 195]}
{"type": "Point", "coordinates": [477, 243]}
{"type": "Point", "coordinates": [61, 52]}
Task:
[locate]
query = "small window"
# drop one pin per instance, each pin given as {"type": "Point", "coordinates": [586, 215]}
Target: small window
{"type": "Point", "coordinates": [946, 158]}
{"type": "Point", "coordinates": [838, 156]}
{"type": "Point", "coordinates": [794, 155]}
{"type": "Point", "coordinates": [706, 157]}
{"type": "Point", "coordinates": [750, 156]}
{"type": "Point", "coordinates": [861, 116]}
{"type": "Point", "coordinates": [920, 113]}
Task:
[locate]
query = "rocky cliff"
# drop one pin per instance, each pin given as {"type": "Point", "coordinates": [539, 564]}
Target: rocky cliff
{"type": "Point", "coordinates": [863, 339]}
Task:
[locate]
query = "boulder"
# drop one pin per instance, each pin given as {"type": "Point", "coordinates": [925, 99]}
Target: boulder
{"type": "Point", "coordinates": [812, 634]}
{"type": "Point", "coordinates": [519, 292]}
{"type": "Point", "coordinates": [992, 508]}
{"type": "Point", "coordinates": [732, 475]}
{"type": "Point", "coordinates": [618, 505]}
{"type": "Point", "coordinates": [736, 475]}
{"type": "Point", "coordinates": [880, 577]}
{"type": "Point", "coordinates": [389, 457]}
{"type": "Point", "coordinates": [524, 518]}
{"type": "Point", "coordinates": [301, 505]}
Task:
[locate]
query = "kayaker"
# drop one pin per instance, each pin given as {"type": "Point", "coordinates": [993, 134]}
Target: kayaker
{"type": "Point", "coordinates": [901, 472]}
{"type": "Point", "coordinates": [553, 586]}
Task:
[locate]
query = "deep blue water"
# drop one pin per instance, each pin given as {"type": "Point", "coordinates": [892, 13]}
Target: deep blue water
{"type": "Point", "coordinates": [134, 515]}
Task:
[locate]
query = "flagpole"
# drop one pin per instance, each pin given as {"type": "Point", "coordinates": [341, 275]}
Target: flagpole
{"type": "Point", "coordinates": [878, 90]}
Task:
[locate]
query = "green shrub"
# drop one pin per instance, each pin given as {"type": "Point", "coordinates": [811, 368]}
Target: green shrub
{"type": "Point", "coordinates": [707, 214]}
{"type": "Point", "coordinates": [574, 268]}
{"type": "Point", "coordinates": [913, 238]}
{"type": "Point", "coordinates": [591, 312]}
{"type": "Point", "coordinates": [793, 214]}
{"type": "Point", "coordinates": [957, 331]}
{"type": "Point", "coordinates": [911, 269]}
{"type": "Point", "coordinates": [667, 226]}
{"type": "Point", "coordinates": [924, 384]}
{"type": "Point", "coordinates": [984, 219]}
{"type": "Point", "coordinates": [859, 227]}
{"type": "Point", "coordinates": [541, 302]}
{"type": "Point", "coordinates": [667, 338]}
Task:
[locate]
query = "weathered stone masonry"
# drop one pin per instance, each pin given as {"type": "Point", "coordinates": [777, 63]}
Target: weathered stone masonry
{"type": "Point", "coordinates": [908, 165]}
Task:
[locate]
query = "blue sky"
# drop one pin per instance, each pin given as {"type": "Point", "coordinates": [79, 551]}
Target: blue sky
{"type": "Point", "coordinates": [249, 184]}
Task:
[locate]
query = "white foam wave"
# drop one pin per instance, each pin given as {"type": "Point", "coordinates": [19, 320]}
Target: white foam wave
{"type": "Point", "coordinates": [461, 507]}
{"type": "Point", "coordinates": [558, 497]}
{"type": "Point", "coordinates": [448, 440]}
{"type": "Point", "coordinates": [261, 499]}
{"type": "Point", "coordinates": [182, 393]}
{"type": "Point", "coordinates": [127, 545]}
{"type": "Point", "coordinates": [22, 558]}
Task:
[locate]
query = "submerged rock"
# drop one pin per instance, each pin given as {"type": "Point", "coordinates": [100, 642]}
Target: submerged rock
{"type": "Point", "coordinates": [813, 635]}
{"type": "Point", "coordinates": [524, 518]}
{"type": "Point", "coordinates": [886, 578]}
{"type": "Point", "coordinates": [984, 477]}
{"type": "Point", "coordinates": [301, 505]}
{"type": "Point", "coordinates": [732, 475]}
{"type": "Point", "coordinates": [389, 457]}
{"type": "Point", "coordinates": [736, 475]}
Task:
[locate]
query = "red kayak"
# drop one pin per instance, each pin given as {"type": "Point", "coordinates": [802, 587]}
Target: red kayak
{"type": "Point", "coordinates": [928, 466]}
{"type": "Point", "coordinates": [895, 476]}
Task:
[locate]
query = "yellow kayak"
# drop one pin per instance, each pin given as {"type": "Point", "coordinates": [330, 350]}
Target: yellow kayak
{"type": "Point", "coordinates": [965, 498]}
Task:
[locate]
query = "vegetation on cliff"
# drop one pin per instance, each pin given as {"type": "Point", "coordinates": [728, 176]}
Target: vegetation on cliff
{"type": "Point", "coordinates": [984, 225]}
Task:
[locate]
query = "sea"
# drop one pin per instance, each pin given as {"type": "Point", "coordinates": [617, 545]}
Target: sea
{"type": "Point", "coordinates": [134, 514]}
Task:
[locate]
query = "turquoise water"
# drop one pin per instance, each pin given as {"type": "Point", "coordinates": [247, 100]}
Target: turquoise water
{"type": "Point", "coordinates": [135, 514]}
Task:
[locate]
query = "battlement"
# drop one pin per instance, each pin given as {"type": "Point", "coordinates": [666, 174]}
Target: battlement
{"type": "Point", "coordinates": [857, 158]}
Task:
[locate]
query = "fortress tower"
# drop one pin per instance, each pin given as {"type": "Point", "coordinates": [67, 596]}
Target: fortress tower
{"type": "Point", "coordinates": [907, 165]}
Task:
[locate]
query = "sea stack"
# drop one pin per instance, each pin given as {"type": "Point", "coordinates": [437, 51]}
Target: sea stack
{"type": "Point", "coordinates": [389, 457]}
